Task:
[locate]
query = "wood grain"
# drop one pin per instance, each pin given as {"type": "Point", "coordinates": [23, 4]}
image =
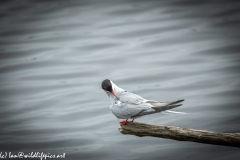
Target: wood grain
{"type": "Point", "coordinates": [181, 134]}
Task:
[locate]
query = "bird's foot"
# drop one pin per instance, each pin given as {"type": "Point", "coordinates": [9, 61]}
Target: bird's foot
{"type": "Point", "coordinates": [123, 122]}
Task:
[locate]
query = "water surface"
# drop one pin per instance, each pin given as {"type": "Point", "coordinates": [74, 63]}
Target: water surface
{"type": "Point", "coordinates": [55, 54]}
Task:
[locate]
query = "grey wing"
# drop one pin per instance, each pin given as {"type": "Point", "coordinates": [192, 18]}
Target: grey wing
{"type": "Point", "coordinates": [162, 104]}
{"type": "Point", "coordinates": [120, 110]}
{"type": "Point", "coordinates": [159, 107]}
{"type": "Point", "coordinates": [156, 110]}
{"type": "Point", "coordinates": [130, 98]}
{"type": "Point", "coordinates": [125, 110]}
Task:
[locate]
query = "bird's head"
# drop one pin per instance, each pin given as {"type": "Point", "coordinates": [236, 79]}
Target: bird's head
{"type": "Point", "coordinates": [108, 86]}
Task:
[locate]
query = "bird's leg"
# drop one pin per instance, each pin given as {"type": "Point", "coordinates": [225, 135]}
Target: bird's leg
{"type": "Point", "coordinates": [132, 120]}
{"type": "Point", "coordinates": [123, 122]}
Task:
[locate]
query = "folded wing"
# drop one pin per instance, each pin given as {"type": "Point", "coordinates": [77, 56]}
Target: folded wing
{"type": "Point", "coordinates": [159, 107]}
{"type": "Point", "coordinates": [130, 98]}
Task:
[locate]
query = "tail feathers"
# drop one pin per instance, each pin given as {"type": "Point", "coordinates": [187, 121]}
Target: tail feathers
{"type": "Point", "coordinates": [173, 112]}
{"type": "Point", "coordinates": [160, 109]}
{"type": "Point", "coordinates": [176, 102]}
{"type": "Point", "coordinates": [163, 104]}
{"type": "Point", "coordinates": [156, 110]}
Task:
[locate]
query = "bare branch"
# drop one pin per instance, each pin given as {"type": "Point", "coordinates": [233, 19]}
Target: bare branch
{"type": "Point", "coordinates": [181, 134]}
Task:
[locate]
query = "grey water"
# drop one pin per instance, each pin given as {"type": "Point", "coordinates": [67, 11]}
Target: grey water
{"type": "Point", "coordinates": [55, 54]}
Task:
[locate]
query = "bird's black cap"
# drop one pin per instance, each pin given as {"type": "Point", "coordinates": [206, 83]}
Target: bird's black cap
{"type": "Point", "coordinates": [107, 85]}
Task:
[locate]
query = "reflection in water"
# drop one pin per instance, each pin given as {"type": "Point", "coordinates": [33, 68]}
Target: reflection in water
{"type": "Point", "coordinates": [54, 56]}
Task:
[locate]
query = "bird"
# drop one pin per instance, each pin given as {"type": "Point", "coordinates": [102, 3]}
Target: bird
{"type": "Point", "coordinates": [126, 105]}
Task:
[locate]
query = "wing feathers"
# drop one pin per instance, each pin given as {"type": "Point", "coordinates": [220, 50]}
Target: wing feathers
{"type": "Point", "coordinates": [156, 110]}
{"type": "Point", "coordinates": [161, 104]}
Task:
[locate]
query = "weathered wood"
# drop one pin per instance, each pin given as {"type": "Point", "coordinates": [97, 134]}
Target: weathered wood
{"type": "Point", "coordinates": [181, 134]}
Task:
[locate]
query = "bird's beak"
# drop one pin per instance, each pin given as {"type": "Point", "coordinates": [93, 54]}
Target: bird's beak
{"type": "Point", "coordinates": [111, 94]}
{"type": "Point", "coordinates": [114, 94]}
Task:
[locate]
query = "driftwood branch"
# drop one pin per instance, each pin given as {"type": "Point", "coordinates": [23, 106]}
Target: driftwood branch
{"type": "Point", "coordinates": [181, 134]}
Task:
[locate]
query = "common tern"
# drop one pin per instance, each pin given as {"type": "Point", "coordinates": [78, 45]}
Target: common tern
{"type": "Point", "coordinates": [126, 105]}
